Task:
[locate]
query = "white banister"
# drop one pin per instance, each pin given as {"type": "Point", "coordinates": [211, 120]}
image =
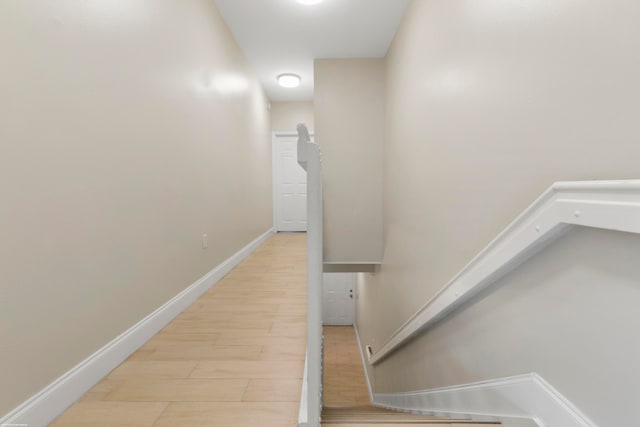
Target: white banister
{"type": "Point", "coordinates": [309, 158]}
{"type": "Point", "coordinates": [610, 205]}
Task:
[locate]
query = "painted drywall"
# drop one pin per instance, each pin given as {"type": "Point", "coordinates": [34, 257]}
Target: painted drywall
{"type": "Point", "coordinates": [128, 130]}
{"type": "Point", "coordinates": [285, 116]}
{"type": "Point", "coordinates": [488, 104]}
{"type": "Point", "coordinates": [349, 119]}
{"type": "Point", "coordinates": [567, 314]}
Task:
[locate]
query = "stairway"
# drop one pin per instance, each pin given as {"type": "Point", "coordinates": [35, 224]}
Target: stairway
{"type": "Point", "coordinates": [346, 397]}
{"type": "Point", "coordinates": [377, 417]}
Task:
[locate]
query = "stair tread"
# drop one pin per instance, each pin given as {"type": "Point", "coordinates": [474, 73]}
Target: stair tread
{"type": "Point", "coordinates": [366, 410]}
{"type": "Point", "coordinates": [367, 417]}
{"type": "Point", "coordinates": [423, 424]}
{"type": "Point", "coordinates": [360, 416]}
{"type": "Point", "coordinates": [414, 423]}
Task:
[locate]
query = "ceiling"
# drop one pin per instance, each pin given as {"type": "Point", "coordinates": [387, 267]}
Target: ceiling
{"type": "Point", "coordinates": [282, 36]}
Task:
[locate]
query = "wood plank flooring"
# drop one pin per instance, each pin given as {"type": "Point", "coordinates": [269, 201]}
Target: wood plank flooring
{"type": "Point", "coordinates": [344, 384]}
{"type": "Point", "coordinates": [235, 358]}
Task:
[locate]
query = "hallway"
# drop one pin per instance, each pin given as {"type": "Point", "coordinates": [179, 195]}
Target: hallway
{"type": "Point", "coordinates": [234, 358]}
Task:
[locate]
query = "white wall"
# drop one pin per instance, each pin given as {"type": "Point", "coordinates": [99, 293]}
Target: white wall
{"type": "Point", "coordinates": [567, 314]}
{"type": "Point", "coordinates": [285, 116]}
{"type": "Point", "coordinates": [349, 119]}
{"type": "Point", "coordinates": [127, 130]}
{"type": "Point", "coordinates": [489, 103]}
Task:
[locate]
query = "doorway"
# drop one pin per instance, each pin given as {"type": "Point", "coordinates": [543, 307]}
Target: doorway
{"type": "Point", "coordinates": [289, 184]}
{"type": "Point", "coordinates": [338, 307]}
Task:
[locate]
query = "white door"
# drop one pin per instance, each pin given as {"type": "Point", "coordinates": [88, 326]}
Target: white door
{"type": "Point", "coordinates": [337, 299]}
{"type": "Point", "coordinates": [289, 185]}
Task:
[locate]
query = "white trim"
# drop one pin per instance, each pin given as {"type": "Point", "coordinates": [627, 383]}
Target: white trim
{"type": "Point", "coordinates": [365, 365]}
{"type": "Point", "coordinates": [352, 262]}
{"type": "Point", "coordinates": [51, 401]}
{"type": "Point", "coordinates": [274, 180]}
{"type": "Point", "coordinates": [303, 413]}
{"type": "Point", "coordinates": [610, 205]}
{"type": "Point", "coordinates": [353, 298]}
{"type": "Point", "coordinates": [516, 401]}
{"type": "Point", "coordinates": [291, 133]}
{"type": "Point", "coordinates": [350, 267]}
{"type": "Point", "coordinates": [275, 135]}
{"type": "Point", "coordinates": [310, 159]}
{"type": "Point", "coordinates": [485, 401]}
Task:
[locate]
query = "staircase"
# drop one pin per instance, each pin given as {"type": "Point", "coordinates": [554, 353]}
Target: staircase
{"type": "Point", "coordinates": [378, 417]}
{"type": "Point", "coordinates": [346, 399]}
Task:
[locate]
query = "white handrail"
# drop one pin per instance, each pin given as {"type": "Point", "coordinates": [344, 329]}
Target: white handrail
{"type": "Point", "coordinates": [610, 205]}
{"type": "Point", "coordinates": [309, 159]}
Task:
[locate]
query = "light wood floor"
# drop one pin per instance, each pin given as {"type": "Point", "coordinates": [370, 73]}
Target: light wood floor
{"type": "Point", "coordinates": [234, 358]}
{"type": "Point", "coordinates": [344, 381]}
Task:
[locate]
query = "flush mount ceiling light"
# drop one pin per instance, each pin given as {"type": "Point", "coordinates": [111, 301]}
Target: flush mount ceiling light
{"type": "Point", "coordinates": [289, 80]}
{"type": "Point", "coordinates": [309, 2]}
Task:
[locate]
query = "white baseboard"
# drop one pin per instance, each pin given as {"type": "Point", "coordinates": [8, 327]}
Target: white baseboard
{"type": "Point", "coordinates": [303, 413]}
{"type": "Point", "coordinates": [365, 365]}
{"type": "Point", "coordinates": [519, 401]}
{"type": "Point", "coordinates": [50, 402]}
{"type": "Point", "coordinates": [524, 400]}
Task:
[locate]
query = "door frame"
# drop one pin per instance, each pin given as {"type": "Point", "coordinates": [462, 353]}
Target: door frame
{"type": "Point", "coordinates": [353, 300]}
{"type": "Point", "coordinates": [274, 140]}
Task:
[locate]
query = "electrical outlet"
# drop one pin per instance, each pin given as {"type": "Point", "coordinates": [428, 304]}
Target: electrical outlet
{"type": "Point", "coordinates": [205, 241]}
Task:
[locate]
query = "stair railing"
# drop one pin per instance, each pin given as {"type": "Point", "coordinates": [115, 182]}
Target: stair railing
{"type": "Point", "coordinates": [310, 159]}
{"type": "Point", "coordinates": [609, 205]}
